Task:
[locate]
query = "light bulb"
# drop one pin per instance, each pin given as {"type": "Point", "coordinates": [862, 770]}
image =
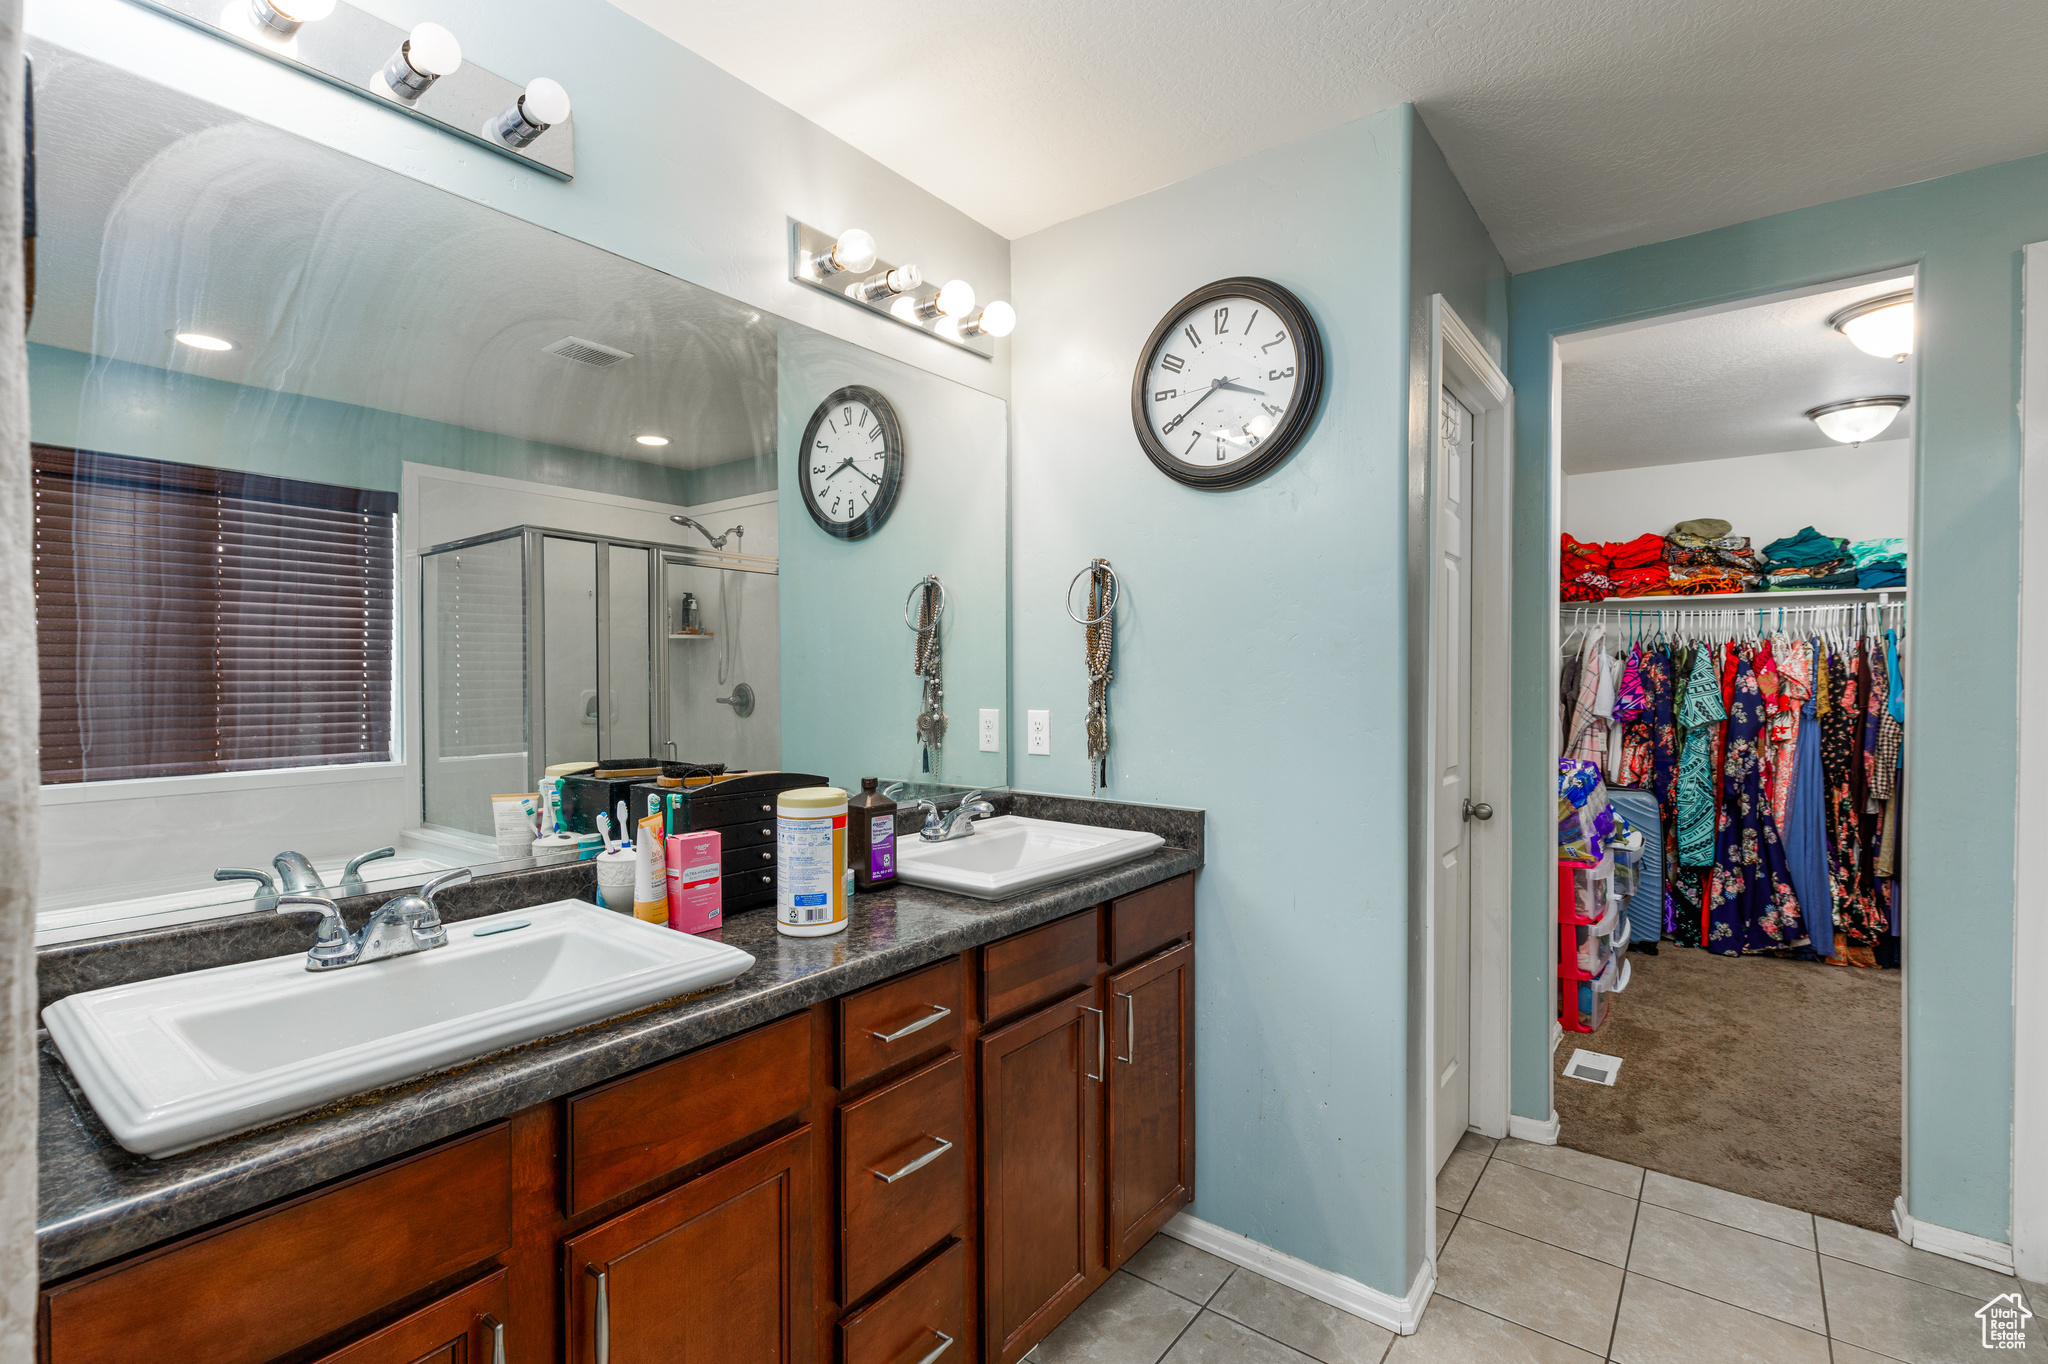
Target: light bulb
{"type": "Point", "coordinates": [281, 18]}
{"type": "Point", "coordinates": [428, 53]}
{"type": "Point", "coordinates": [854, 251]}
{"type": "Point", "coordinates": [1881, 326]}
{"type": "Point", "coordinates": [1858, 419]}
{"type": "Point", "coordinates": [901, 280]}
{"type": "Point", "coordinates": [544, 104]}
{"type": "Point", "coordinates": [201, 341]}
{"type": "Point", "coordinates": [955, 298]}
{"type": "Point", "coordinates": [652, 440]}
{"type": "Point", "coordinates": [997, 319]}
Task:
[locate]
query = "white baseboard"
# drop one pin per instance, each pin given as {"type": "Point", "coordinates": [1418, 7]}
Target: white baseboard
{"type": "Point", "coordinates": [1528, 1129]}
{"type": "Point", "coordinates": [1556, 1035]}
{"type": "Point", "coordinates": [1361, 1300]}
{"type": "Point", "coordinates": [1981, 1251]}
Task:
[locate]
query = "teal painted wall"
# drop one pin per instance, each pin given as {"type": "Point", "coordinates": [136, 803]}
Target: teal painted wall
{"type": "Point", "coordinates": [124, 409]}
{"type": "Point", "coordinates": [1259, 665]}
{"type": "Point", "coordinates": [1965, 233]}
{"type": "Point", "coordinates": [850, 701]}
{"type": "Point", "coordinates": [734, 478]}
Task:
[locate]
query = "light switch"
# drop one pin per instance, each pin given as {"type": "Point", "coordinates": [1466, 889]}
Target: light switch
{"type": "Point", "coordinates": [1039, 731]}
{"type": "Point", "coordinates": [991, 730]}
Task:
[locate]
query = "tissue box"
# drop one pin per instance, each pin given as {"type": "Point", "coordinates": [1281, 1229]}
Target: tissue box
{"type": "Point", "coordinates": [695, 887]}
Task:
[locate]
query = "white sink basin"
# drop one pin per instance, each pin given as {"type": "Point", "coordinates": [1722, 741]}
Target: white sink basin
{"type": "Point", "coordinates": [1009, 854]}
{"type": "Point", "coordinates": [179, 1061]}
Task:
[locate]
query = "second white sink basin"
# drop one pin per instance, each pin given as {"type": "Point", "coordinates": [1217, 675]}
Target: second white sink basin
{"type": "Point", "coordinates": [179, 1061]}
{"type": "Point", "coordinates": [1009, 854]}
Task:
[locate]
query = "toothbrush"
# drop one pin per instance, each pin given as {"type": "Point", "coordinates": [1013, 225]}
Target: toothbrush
{"type": "Point", "coordinates": [604, 829]}
{"type": "Point", "coordinates": [625, 827]}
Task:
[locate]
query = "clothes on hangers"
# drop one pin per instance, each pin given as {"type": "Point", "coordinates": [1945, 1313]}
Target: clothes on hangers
{"type": "Point", "coordinates": [1750, 903]}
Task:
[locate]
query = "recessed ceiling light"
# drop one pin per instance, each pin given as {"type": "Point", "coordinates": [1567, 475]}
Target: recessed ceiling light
{"type": "Point", "coordinates": [1881, 326]}
{"type": "Point", "coordinates": [1858, 419]}
{"type": "Point", "coordinates": [201, 341]}
{"type": "Point", "coordinates": [652, 440]}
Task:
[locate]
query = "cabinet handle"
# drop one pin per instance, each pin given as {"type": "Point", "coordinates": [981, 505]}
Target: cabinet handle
{"type": "Point", "coordinates": [918, 1164]}
{"type": "Point", "coordinates": [945, 1344]}
{"type": "Point", "coordinates": [1130, 1029]}
{"type": "Point", "coordinates": [938, 1012]}
{"type": "Point", "coordinates": [1100, 1030]}
{"type": "Point", "coordinates": [497, 1330]}
{"type": "Point", "coordinates": [601, 1328]}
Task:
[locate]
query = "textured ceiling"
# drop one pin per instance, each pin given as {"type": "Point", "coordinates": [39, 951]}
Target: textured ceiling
{"type": "Point", "coordinates": [1714, 385]}
{"type": "Point", "coordinates": [336, 279]}
{"type": "Point", "coordinates": [1576, 126]}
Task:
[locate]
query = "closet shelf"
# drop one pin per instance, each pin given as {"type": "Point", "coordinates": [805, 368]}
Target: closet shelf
{"type": "Point", "coordinates": [1707, 601]}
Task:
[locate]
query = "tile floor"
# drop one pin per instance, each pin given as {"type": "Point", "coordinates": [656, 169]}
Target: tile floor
{"type": "Point", "coordinates": [1552, 1256]}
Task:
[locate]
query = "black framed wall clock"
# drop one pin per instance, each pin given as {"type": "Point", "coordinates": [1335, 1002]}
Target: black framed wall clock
{"type": "Point", "coordinates": [850, 465]}
{"type": "Point", "coordinates": [1228, 383]}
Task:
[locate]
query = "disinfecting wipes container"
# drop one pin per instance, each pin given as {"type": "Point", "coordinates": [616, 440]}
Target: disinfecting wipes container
{"type": "Point", "coordinates": [810, 861]}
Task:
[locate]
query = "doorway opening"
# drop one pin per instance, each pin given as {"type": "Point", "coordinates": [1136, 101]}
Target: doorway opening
{"type": "Point", "coordinates": [1735, 501]}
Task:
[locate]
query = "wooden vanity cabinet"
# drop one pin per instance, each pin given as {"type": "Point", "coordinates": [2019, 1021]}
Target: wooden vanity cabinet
{"type": "Point", "coordinates": [1150, 1127]}
{"type": "Point", "coordinates": [463, 1327]}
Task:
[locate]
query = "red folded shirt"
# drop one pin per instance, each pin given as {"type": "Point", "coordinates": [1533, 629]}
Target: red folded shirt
{"type": "Point", "coordinates": [1640, 582]}
{"type": "Point", "coordinates": [1580, 556]}
{"type": "Point", "coordinates": [1644, 549]}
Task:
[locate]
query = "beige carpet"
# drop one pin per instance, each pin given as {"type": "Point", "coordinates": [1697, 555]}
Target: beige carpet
{"type": "Point", "coordinates": [1776, 1079]}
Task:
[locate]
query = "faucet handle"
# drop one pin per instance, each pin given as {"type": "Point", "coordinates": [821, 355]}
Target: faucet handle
{"type": "Point", "coordinates": [352, 874]}
{"type": "Point", "coordinates": [332, 945]}
{"type": "Point", "coordinates": [266, 898]}
{"type": "Point", "coordinates": [447, 878]}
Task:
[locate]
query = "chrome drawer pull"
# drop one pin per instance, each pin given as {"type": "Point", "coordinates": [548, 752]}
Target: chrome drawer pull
{"type": "Point", "coordinates": [918, 1164]}
{"type": "Point", "coordinates": [497, 1330]}
{"type": "Point", "coordinates": [1130, 1029]}
{"type": "Point", "coordinates": [1101, 1029]}
{"type": "Point", "coordinates": [938, 1012]}
{"type": "Point", "coordinates": [601, 1329]}
{"type": "Point", "coordinates": [945, 1344]}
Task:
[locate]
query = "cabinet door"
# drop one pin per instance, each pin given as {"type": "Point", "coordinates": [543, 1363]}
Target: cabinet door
{"type": "Point", "coordinates": [1041, 1171]}
{"type": "Point", "coordinates": [464, 1327]}
{"type": "Point", "coordinates": [1151, 1098]}
{"type": "Point", "coordinates": [715, 1272]}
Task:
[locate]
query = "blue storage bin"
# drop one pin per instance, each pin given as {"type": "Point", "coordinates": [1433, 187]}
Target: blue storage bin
{"type": "Point", "coordinates": [1646, 907]}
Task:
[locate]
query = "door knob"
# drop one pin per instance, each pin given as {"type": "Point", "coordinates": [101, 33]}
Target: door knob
{"type": "Point", "coordinates": [1477, 811]}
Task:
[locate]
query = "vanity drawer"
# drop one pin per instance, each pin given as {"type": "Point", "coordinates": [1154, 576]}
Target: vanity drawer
{"type": "Point", "coordinates": [275, 1281]}
{"type": "Point", "coordinates": [1141, 924]}
{"type": "Point", "coordinates": [1019, 972]}
{"type": "Point", "coordinates": [902, 1173]}
{"type": "Point", "coordinates": [623, 1134]}
{"type": "Point", "coordinates": [760, 858]}
{"type": "Point", "coordinates": [914, 1318]}
{"type": "Point", "coordinates": [898, 1020]}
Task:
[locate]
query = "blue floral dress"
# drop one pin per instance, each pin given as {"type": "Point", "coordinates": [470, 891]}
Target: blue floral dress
{"type": "Point", "coordinates": [1750, 902]}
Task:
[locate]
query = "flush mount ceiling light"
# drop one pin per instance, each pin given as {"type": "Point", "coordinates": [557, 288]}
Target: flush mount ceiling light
{"type": "Point", "coordinates": [854, 250]}
{"type": "Point", "coordinates": [1858, 419]}
{"type": "Point", "coordinates": [428, 53]}
{"type": "Point", "coordinates": [997, 319]}
{"type": "Point", "coordinates": [652, 440]}
{"type": "Point", "coordinates": [544, 104]}
{"type": "Point", "coordinates": [201, 341]}
{"type": "Point", "coordinates": [1881, 326]}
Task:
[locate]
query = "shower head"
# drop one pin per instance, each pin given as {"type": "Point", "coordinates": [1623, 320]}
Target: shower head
{"type": "Point", "coordinates": [717, 541]}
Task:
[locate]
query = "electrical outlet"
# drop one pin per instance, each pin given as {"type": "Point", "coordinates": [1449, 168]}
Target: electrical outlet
{"type": "Point", "coordinates": [991, 729]}
{"type": "Point", "coordinates": [1038, 731]}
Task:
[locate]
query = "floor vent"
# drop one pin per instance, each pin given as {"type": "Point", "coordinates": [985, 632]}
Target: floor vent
{"type": "Point", "coordinates": [592, 353]}
{"type": "Point", "coordinates": [1591, 1065]}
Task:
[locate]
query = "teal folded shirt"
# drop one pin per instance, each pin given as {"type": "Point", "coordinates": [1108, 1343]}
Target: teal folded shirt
{"type": "Point", "coordinates": [1868, 552]}
{"type": "Point", "coordinates": [1807, 548]}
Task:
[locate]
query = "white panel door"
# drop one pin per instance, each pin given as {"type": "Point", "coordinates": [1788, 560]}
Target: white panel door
{"type": "Point", "coordinates": [1452, 903]}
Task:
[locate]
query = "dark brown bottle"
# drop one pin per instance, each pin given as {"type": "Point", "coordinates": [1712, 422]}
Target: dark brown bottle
{"type": "Point", "coordinates": [871, 837]}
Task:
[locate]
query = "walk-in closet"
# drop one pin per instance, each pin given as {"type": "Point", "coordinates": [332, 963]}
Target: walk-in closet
{"type": "Point", "coordinates": [1734, 578]}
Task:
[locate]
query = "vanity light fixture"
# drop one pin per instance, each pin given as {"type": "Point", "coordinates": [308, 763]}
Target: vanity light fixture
{"type": "Point", "coordinates": [201, 341]}
{"type": "Point", "coordinates": [543, 104]}
{"type": "Point", "coordinates": [652, 440]}
{"type": "Point", "coordinates": [997, 319]}
{"type": "Point", "coordinates": [882, 288]}
{"type": "Point", "coordinates": [428, 53]}
{"type": "Point", "coordinates": [1881, 326]}
{"type": "Point", "coordinates": [854, 251]}
{"type": "Point", "coordinates": [1858, 419]}
{"type": "Point", "coordinates": [955, 298]}
{"type": "Point", "coordinates": [279, 19]}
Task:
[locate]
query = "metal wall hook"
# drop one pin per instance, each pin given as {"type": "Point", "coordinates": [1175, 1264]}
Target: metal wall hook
{"type": "Point", "coordinates": [916, 590]}
{"type": "Point", "coordinates": [1109, 603]}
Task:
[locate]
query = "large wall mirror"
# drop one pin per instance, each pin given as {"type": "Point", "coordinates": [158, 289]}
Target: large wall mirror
{"type": "Point", "coordinates": [359, 504]}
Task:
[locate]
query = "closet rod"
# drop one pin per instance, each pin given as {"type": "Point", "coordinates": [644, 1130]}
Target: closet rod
{"type": "Point", "coordinates": [1848, 595]}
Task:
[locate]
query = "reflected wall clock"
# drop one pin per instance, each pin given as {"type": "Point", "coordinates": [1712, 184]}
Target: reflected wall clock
{"type": "Point", "coordinates": [851, 463]}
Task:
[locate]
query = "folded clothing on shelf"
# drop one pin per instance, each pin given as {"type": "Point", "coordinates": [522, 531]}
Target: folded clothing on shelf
{"type": "Point", "coordinates": [1683, 550]}
{"type": "Point", "coordinates": [1643, 550]}
{"type": "Point", "coordinates": [1884, 573]}
{"type": "Point", "coordinates": [1807, 578]}
{"type": "Point", "coordinates": [1579, 555]}
{"type": "Point", "coordinates": [1700, 582]}
{"type": "Point", "coordinates": [1586, 587]}
{"type": "Point", "coordinates": [1864, 553]}
{"type": "Point", "coordinates": [1808, 548]}
{"type": "Point", "coordinates": [1652, 581]}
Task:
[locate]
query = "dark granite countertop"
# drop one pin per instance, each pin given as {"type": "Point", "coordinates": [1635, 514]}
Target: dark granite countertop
{"type": "Point", "coordinates": [98, 1201]}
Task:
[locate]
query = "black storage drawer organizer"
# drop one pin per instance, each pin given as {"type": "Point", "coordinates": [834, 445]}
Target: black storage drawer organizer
{"type": "Point", "coordinates": [740, 808]}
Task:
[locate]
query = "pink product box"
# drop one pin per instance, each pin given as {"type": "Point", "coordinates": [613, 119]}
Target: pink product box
{"type": "Point", "coordinates": [695, 887]}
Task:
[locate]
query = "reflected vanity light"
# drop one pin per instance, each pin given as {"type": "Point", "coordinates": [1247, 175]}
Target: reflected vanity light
{"type": "Point", "coordinates": [1858, 419]}
{"type": "Point", "coordinates": [544, 104]}
{"type": "Point", "coordinates": [282, 18]}
{"type": "Point", "coordinates": [955, 298]}
{"type": "Point", "coordinates": [201, 341]}
{"type": "Point", "coordinates": [902, 280]}
{"type": "Point", "coordinates": [428, 53]}
{"type": "Point", "coordinates": [997, 319]}
{"type": "Point", "coordinates": [854, 251]}
{"type": "Point", "coordinates": [1881, 326]}
{"type": "Point", "coordinates": [651, 440]}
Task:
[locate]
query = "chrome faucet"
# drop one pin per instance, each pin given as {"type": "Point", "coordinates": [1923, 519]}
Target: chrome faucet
{"type": "Point", "coordinates": [957, 823]}
{"type": "Point", "coordinates": [399, 928]}
{"type": "Point", "coordinates": [295, 874]}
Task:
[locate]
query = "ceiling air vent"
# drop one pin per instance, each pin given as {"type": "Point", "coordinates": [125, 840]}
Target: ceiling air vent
{"type": "Point", "coordinates": [592, 353]}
